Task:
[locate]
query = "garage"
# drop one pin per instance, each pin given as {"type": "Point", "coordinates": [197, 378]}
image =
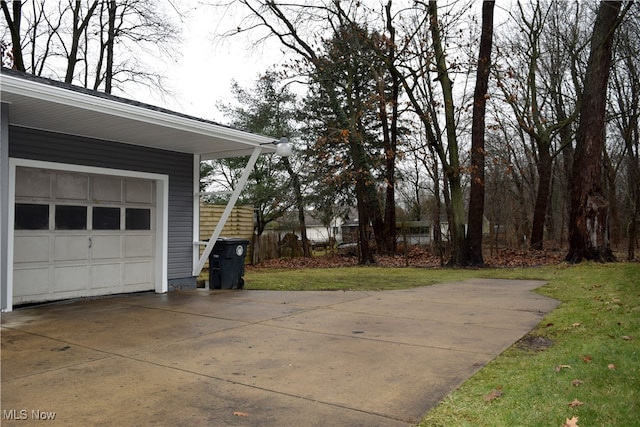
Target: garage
{"type": "Point", "coordinates": [78, 234]}
{"type": "Point", "coordinates": [99, 194]}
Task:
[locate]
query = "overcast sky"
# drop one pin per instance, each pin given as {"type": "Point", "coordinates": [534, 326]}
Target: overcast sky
{"type": "Point", "coordinates": [207, 65]}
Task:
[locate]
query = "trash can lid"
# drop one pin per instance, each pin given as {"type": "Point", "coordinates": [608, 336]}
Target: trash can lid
{"type": "Point", "coordinates": [232, 240]}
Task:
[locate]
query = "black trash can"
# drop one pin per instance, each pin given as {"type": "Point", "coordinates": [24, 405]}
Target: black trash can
{"type": "Point", "coordinates": [226, 263]}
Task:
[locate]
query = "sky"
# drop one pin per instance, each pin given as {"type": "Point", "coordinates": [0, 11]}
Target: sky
{"type": "Point", "coordinates": [207, 65]}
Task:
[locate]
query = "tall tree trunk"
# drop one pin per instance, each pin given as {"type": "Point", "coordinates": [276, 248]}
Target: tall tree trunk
{"type": "Point", "coordinates": [391, 136]}
{"type": "Point", "coordinates": [390, 130]}
{"type": "Point", "coordinates": [437, 206]}
{"type": "Point", "coordinates": [297, 191]}
{"type": "Point", "coordinates": [14, 28]}
{"type": "Point", "coordinates": [544, 168]}
{"type": "Point", "coordinates": [588, 221]}
{"type": "Point", "coordinates": [567, 164]}
{"type": "Point", "coordinates": [633, 158]}
{"type": "Point", "coordinates": [452, 170]}
{"type": "Point", "coordinates": [476, 197]}
{"type": "Point", "coordinates": [77, 30]}
{"type": "Point", "coordinates": [111, 40]}
{"type": "Point", "coordinates": [365, 253]}
{"type": "Point", "coordinates": [612, 198]}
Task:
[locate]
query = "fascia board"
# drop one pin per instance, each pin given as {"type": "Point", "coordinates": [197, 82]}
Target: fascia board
{"type": "Point", "coordinates": [70, 98]}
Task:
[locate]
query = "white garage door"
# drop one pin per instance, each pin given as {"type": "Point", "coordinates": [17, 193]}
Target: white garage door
{"type": "Point", "coordinates": [78, 234]}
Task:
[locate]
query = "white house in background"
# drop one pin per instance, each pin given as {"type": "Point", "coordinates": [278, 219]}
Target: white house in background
{"type": "Point", "coordinates": [99, 194]}
{"type": "Point", "coordinates": [317, 232]}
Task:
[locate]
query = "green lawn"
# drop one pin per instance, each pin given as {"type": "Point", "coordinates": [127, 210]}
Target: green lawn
{"type": "Point", "coordinates": [593, 337]}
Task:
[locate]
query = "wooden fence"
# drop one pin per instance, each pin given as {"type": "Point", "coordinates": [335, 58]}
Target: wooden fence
{"type": "Point", "coordinates": [239, 225]}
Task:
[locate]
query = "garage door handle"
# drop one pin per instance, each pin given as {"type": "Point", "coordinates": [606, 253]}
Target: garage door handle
{"type": "Point", "coordinates": [90, 242]}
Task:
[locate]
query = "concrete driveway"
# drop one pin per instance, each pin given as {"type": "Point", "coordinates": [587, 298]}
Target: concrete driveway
{"type": "Point", "coordinates": [257, 358]}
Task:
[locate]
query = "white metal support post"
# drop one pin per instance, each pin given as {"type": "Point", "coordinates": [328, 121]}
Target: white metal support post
{"type": "Point", "coordinates": [227, 211]}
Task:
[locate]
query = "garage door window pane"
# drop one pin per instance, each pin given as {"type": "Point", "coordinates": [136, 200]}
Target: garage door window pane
{"type": "Point", "coordinates": [32, 217]}
{"type": "Point", "coordinates": [106, 218]}
{"type": "Point", "coordinates": [138, 219]}
{"type": "Point", "coordinates": [71, 217]}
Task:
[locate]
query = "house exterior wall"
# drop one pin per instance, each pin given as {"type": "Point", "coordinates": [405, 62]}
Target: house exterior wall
{"type": "Point", "coordinates": [59, 148]}
{"type": "Point", "coordinates": [4, 203]}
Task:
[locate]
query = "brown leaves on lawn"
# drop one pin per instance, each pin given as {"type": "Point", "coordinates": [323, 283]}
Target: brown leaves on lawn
{"type": "Point", "coordinates": [575, 403]}
{"type": "Point", "coordinates": [559, 368]}
{"type": "Point", "coordinates": [571, 422]}
{"type": "Point", "coordinates": [577, 382]}
{"type": "Point", "coordinates": [417, 257]}
{"type": "Point", "coordinates": [585, 358]}
{"type": "Point", "coordinates": [611, 366]}
{"type": "Point", "coordinates": [240, 414]}
{"type": "Point", "coordinates": [494, 394]}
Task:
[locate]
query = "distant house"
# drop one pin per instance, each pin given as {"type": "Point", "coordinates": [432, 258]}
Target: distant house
{"type": "Point", "coordinates": [413, 232]}
{"type": "Point", "coordinates": [318, 233]}
{"type": "Point", "coordinates": [99, 194]}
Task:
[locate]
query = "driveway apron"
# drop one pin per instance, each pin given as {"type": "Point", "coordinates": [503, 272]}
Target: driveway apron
{"type": "Point", "coordinates": [257, 358]}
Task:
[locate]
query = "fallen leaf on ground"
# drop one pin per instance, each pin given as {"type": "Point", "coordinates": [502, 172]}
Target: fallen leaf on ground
{"type": "Point", "coordinates": [626, 337]}
{"type": "Point", "coordinates": [576, 383]}
{"type": "Point", "coordinates": [493, 395]}
{"type": "Point", "coordinates": [575, 325]}
{"type": "Point", "coordinates": [585, 358]}
{"type": "Point", "coordinates": [575, 403]}
{"type": "Point", "coordinates": [561, 367]}
{"type": "Point", "coordinates": [573, 422]}
{"type": "Point", "coordinates": [240, 414]}
{"type": "Point", "coordinates": [611, 366]}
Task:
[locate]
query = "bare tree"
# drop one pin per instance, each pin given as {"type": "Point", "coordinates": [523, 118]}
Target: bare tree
{"type": "Point", "coordinates": [588, 223]}
{"type": "Point", "coordinates": [422, 64]}
{"type": "Point", "coordinates": [529, 96]}
{"type": "Point", "coordinates": [625, 107]}
{"type": "Point", "coordinates": [476, 197]}
{"type": "Point", "coordinates": [94, 43]}
{"type": "Point", "coordinates": [14, 22]}
{"type": "Point", "coordinates": [79, 25]}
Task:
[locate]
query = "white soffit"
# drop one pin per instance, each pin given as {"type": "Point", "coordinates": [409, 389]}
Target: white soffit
{"type": "Point", "coordinates": [54, 108]}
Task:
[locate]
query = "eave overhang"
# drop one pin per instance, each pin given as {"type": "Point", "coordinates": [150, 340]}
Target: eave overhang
{"type": "Point", "coordinates": [40, 104]}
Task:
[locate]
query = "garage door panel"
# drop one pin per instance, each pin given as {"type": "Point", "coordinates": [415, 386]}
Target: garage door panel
{"type": "Point", "coordinates": [71, 248]}
{"type": "Point", "coordinates": [106, 247]}
{"type": "Point", "coordinates": [138, 246]}
{"type": "Point", "coordinates": [32, 281]}
{"type": "Point", "coordinates": [136, 273]}
{"type": "Point", "coordinates": [107, 189]}
{"type": "Point", "coordinates": [71, 186]}
{"type": "Point", "coordinates": [138, 192]}
{"type": "Point", "coordinates": [71, 278]}
{"type": "Point", "coordinates": [31, 248]}
{"type": "Point", "coordinates": [33, 183]}
{"type": "Point", "coordinates": [106, 275]}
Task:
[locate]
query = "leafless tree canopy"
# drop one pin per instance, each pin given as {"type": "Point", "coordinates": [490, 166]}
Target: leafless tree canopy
{"type": "Point", "coordinates": [98, 44]}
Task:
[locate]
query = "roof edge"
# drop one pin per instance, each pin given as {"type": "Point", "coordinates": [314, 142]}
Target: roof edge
{"type": "Point", "coordinates": [65, 94]}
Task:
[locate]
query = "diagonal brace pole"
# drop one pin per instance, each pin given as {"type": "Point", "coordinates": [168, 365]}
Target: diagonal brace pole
{"type": "Point", "coordinates": [197, 268]}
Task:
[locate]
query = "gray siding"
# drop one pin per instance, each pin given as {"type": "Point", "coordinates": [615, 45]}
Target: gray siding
{"type": "Point", "coordinates": [53, 147]}
{"type": "Point", "coordinates": [4, 203]}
